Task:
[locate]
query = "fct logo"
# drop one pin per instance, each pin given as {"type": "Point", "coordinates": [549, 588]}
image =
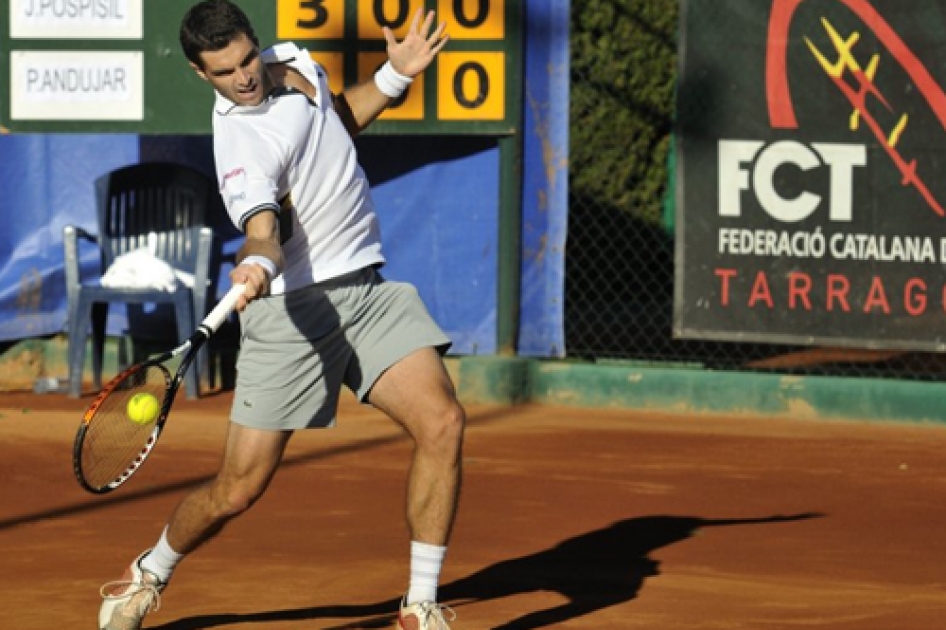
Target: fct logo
{"type": "Point", "coordinates": [751, 165]}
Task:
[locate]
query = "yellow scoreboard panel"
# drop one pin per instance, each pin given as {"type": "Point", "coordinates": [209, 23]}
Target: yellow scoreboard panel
{"type": "Point", "coordinates": [475, 84]}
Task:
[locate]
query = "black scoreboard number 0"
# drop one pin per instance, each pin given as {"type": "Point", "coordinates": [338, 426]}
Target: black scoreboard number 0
{"type": "Point", "coordinates": [482, 80]}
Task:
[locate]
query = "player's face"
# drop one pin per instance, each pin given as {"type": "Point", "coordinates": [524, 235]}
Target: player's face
{"type": "Point", "coordinates": [236, 72]}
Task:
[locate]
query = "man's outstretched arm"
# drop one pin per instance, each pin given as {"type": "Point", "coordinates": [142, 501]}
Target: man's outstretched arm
{"type": "Point", "coordinates": [360, 104]}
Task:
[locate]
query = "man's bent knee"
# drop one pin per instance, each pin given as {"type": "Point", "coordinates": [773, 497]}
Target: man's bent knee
{"type": "Point", "coordinates": [232, 498]}
{"type": "Point", "coordinates": [443, 431]}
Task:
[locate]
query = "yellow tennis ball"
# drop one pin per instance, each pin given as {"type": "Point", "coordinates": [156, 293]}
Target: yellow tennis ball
{"type": "Point", "coordinates": [143, 408]}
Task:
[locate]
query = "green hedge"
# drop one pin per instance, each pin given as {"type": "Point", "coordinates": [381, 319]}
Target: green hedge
{"type": "Point", "coordinates": [623, 71]}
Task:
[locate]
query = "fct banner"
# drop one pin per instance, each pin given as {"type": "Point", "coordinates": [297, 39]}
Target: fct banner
{"type": "Point", "coordinates": [811, 184]}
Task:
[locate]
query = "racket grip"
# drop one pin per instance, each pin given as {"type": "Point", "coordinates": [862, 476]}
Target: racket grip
{"type": "Point", "coordinates": [223, 308]}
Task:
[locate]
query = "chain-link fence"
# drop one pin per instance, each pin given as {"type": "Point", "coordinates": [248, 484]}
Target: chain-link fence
{"type": "Point", "coordinates": [620, 250]}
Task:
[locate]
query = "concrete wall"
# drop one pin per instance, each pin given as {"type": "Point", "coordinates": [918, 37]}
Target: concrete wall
{"type": "Point", "coordinates": [514, 380]}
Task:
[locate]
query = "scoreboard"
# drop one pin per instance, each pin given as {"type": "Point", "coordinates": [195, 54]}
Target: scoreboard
{"type": "Point", "coordinates": [116, 66]}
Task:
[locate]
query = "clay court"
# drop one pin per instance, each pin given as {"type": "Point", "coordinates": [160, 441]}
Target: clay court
{"type": "Point", "coordinates": [570, 518]}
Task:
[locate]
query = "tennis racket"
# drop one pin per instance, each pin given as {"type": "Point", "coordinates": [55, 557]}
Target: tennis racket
{"type": "Point", "coordinates": [110, 447]}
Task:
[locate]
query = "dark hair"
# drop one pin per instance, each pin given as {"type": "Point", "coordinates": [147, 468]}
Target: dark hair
{"type": "Point", "coordinates": [212, 25]}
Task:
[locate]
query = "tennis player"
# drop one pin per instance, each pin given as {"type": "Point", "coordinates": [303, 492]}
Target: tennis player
{"type": "Point", "coordinates": [317, 312]}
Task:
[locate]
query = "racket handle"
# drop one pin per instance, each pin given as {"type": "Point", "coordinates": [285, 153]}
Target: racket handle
{"type": "Point", "coordinates": [223, 308]}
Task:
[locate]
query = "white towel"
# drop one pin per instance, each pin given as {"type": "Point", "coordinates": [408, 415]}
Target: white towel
{"type": "Point", "coordinates": [142, 269]}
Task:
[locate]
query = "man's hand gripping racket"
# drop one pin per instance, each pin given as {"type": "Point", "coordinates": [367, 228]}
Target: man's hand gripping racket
{"type": "Point", "coordinates": [117, 434]}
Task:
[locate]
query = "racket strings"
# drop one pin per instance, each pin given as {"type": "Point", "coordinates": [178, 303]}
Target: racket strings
{"type": "Point", "coordinates": [114, 445]}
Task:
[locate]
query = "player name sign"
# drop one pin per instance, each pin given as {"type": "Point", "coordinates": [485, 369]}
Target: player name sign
{"type": "Point", "coordinates": [76, 19]}
{"type": "Point", "coordinates": [60, 85]}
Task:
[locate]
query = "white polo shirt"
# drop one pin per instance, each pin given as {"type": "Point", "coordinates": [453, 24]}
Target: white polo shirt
{"type": "Point", "coordinates": [294, 156]}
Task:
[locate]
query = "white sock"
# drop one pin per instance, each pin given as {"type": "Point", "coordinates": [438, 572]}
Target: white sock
{"type": "Point", "coordinates": [162, 559]}
{"type": "Point", "coordinates": [426, 561]}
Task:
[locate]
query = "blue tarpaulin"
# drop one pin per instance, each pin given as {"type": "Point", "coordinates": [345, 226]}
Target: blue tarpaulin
{"type": "Point", "coordinates": [47, 184]}
{"type": "Point", "coordinates": [545, 179]}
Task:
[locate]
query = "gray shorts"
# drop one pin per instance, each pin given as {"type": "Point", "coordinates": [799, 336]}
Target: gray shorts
{"type": "Point", "coordinates": [298, 349]}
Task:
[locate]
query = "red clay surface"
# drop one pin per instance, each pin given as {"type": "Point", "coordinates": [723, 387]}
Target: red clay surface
{"type": "Point", "coordinates": [570, 518]}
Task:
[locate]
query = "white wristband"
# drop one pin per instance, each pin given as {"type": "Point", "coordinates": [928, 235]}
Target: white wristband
{"type": "Point", "coordinates": [264, 262]}
{"type": "Point", "coordinates": [391, 82]}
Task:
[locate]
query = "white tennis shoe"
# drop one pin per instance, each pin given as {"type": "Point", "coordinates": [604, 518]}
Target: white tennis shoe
{"type": "Point", "coordinates": [424, 616]}
{"type": "Point", "coordinates": [128, 600]}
